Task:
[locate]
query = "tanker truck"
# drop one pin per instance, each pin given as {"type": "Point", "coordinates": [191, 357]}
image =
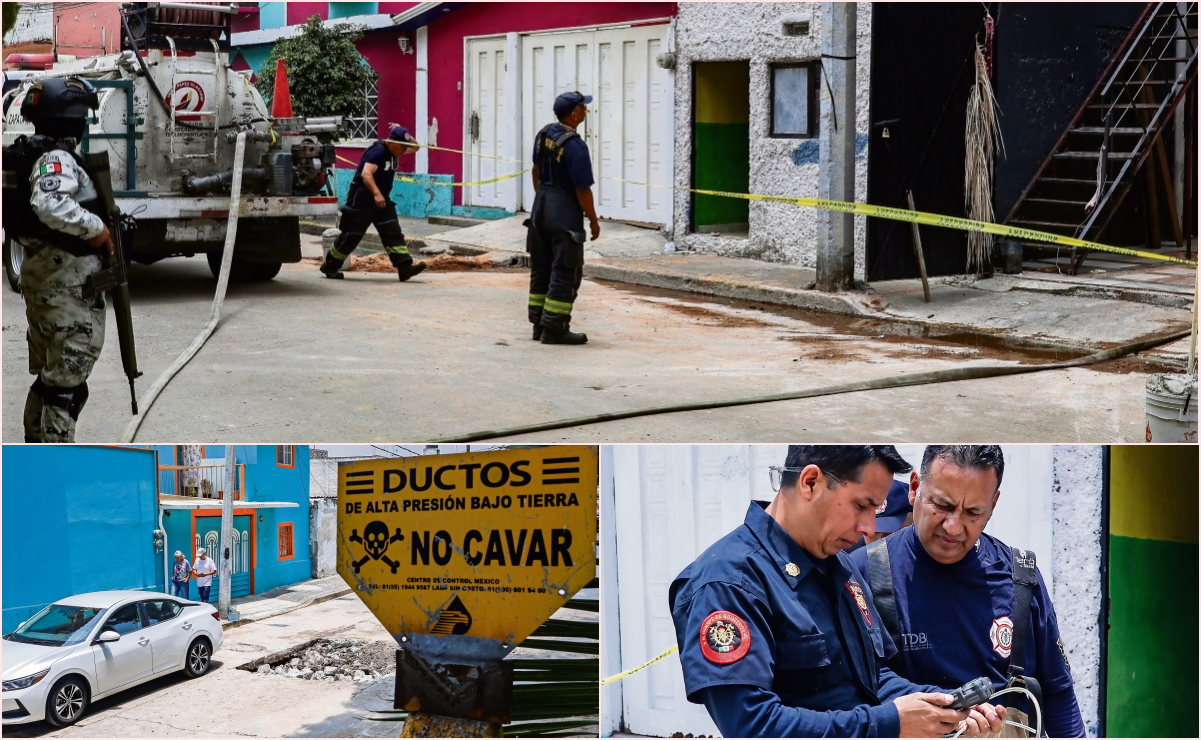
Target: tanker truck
{"type": "Point", "coordinates": [170, 112]}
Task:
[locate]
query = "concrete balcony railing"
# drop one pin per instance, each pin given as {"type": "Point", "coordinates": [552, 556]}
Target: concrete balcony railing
{"type": "Point", "coordinates": [199, 481]}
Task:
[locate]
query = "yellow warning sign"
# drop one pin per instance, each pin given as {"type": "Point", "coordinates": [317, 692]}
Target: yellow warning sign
{"type": "Point", "coordinates": [484, 544]}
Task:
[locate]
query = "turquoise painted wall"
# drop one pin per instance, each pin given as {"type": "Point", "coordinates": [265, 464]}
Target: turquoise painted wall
{"type": "Point", "coordinates": [273, 15]}
{"type": "Point", "coordinates": [76, 519]}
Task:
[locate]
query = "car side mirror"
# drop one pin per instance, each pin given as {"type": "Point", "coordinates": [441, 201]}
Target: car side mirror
{"type": "Point", "coordinates": [108, 636]}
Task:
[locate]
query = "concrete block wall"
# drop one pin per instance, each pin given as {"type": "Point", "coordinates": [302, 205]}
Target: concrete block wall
{"type": "Point", "coordinates": [1076, 563]}
{"type": "Point", "coordinates": [323, 529]}
{"type": "Point", "coordinates": [710, 32]}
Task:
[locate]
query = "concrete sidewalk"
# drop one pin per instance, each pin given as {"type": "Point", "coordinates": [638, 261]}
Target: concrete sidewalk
{"type": "Point", "coordinates": [1023, 310]}
{"type": "Point", "coordinates": [286, 598]}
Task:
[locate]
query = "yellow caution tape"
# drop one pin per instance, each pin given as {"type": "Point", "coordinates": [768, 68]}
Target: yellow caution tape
{"type": "Point", "coordinates": [860, 209]}
{"type": "Point", "coordinates": [472, 184]}
{"type": "Point", "coordinates": [632, 671]}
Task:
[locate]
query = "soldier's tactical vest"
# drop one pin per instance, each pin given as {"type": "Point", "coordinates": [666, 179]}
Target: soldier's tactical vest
{"type": "Point", "coordinates": [20, 220]}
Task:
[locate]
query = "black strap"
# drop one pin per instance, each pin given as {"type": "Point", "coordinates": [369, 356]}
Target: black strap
{"type": "Point", "coordinates": [880, 572]}
{"type": "Point", "coordinates": [1024, 583]}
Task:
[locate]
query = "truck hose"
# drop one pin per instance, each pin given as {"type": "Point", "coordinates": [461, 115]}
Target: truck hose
{"type": "Point", "coordinates": [227, 258]}
{"type": "Point", "coordinates": [894, 381]}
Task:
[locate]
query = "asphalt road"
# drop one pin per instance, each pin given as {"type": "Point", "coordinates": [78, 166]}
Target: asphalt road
{"type": "Point", "coordinates": [367, 359]}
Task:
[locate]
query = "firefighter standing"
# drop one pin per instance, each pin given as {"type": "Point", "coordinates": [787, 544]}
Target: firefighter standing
{"type": "Point", "coordinates": [368, 202]}
{"type": "Point", "coordinates": [563, 196]}
{"type": "Point", "coordinates": [63, 237]}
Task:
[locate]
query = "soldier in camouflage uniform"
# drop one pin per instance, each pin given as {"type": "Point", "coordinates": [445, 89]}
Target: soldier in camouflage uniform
{"type": "Point", "coordinates": [66, 319]}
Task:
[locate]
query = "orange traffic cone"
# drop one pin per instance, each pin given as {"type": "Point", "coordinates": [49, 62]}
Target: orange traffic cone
{"type": "Point", "coordinates": [281, 99]}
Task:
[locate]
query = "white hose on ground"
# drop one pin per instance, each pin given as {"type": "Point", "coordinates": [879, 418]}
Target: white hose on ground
{"type": "Point", "coordinates": [227, 257]}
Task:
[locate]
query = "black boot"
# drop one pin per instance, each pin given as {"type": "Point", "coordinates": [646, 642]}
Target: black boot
{"type": "Point", "coordinates": [537, 336]}
{"type": "Point", "coordinates": [332, 268]}
{"type": "Point", "coordinates": [405, 267]}
{"type": "Point", "coordinates": [557, 330]}
{"type": "Point", "coordinates": [413, 269]}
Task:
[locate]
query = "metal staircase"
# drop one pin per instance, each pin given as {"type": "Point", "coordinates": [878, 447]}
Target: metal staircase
{"type": "Point", "coordinates": [1084, 179]}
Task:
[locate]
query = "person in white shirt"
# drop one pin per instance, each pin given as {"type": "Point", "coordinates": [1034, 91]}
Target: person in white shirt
{"type": "Point", "coordinates": [203, 570]}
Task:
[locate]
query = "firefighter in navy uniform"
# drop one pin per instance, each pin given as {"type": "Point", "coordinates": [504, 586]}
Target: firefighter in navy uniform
{"type": "Point", "coordinates": [777, 632]}
{"type": "Point", "coordinates": [563, 182]}
{"type": "Point", "coordinates": [369, 201]}
{"type": "Point", "coordinates": [52, 206]}
{"type": "Point", "coordinates": [963, 603]}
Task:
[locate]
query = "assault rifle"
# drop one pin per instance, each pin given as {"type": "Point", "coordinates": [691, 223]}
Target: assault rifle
{"type": "Point", "coordinates": [113, 278]}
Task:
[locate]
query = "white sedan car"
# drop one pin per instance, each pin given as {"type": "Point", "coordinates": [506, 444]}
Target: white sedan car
{"type": "Point", "coordinates": [89, 646]}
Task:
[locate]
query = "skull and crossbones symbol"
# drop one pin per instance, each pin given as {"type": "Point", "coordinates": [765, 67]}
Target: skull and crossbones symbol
{"type": "Point", "coordinates": [375, 541]}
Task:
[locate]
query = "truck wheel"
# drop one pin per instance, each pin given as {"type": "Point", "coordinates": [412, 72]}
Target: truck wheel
{"type": "Point", "coordinates": [14, 259]}
{"type": "Point", "coordinates": [242, 271]}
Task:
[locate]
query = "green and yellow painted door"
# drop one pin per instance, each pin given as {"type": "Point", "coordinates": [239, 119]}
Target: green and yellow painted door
{"type": "Point", "coordinates": [1151, 683]}
{"type": "Point", "coordinates": [721, 158]}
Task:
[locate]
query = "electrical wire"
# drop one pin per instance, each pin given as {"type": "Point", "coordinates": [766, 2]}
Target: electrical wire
{"type": "Point", "coordinates": [894, 381]}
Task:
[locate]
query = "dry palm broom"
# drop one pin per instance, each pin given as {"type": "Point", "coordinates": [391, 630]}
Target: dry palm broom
{"type": "Point", "coordinates": [983, 139]}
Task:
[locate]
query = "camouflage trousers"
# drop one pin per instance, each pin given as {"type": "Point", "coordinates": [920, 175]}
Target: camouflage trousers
{"type": "Point", "coordinates": [65, 336]}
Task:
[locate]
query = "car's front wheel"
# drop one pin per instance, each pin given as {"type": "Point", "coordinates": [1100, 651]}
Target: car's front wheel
{"type": "Point", "coordinates": [67, 702]}
{"type": "Point", "coordinates": [200, 655]}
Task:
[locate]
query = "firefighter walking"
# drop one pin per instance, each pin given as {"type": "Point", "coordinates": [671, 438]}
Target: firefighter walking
{"type": "Point", "coordinates": [55, 210]}
{"type": "Point", "coordinates": [563, 182]}
{"type": "Point", "coordinates": [368, 202]}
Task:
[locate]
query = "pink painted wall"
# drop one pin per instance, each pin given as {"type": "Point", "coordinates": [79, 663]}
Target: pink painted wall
{"type": "Point", "coordinates": [247, 19]}
{"type": "Point", "coordinates": [298, 13]}
{"type": "Point", "coordinates": [446, 54]}
{"type": "Point", "coordinates": [79, 28]}
{"type": "Point", "coordinates": [397, 71]}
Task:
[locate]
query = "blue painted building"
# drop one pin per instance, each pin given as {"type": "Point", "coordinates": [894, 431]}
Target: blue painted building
{"type": "Point", "coordinates": [82, 518]}
{"type": "Point", "coordinates": [270, 543]}
{"type": "Point", "coordinates": [76, 519]}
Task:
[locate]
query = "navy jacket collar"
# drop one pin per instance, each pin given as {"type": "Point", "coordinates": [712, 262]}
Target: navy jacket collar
{"type": "Point", "coordinates": [778, 543]}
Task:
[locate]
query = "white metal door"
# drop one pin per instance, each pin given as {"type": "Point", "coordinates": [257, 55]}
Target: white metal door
{"type": "Point", "coordinates": [486, 123]}
{"type": "Point", "coordinates": [629, 124]}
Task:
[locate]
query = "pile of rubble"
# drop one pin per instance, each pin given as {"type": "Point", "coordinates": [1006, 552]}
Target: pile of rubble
{"type": "Point", "coordinates": [338, 660]}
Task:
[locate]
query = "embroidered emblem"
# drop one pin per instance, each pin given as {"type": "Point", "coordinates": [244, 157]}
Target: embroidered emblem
{"type": "Point", "coordinates": [792, 570]}
{"type": "Point", "coordinates": [857, 591]}
{"type": "Point", "coordinates": [49, 184]}
{"type": "Point", "coordinates": [1001, 634]}
{"type": "Point", "coordinates": [724, 637]}
{"type": "Point", "coordinates": [50, 168]}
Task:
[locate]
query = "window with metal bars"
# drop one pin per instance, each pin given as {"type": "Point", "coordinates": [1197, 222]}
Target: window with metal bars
{"type": "Point", "coordinates": [366, 126]}
{"type": "Point", "coordinates": [285, 541]}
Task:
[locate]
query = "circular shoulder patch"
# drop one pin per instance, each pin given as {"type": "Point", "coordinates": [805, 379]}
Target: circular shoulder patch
{"type": "Point", "coordinates": [724, 637]}
{"type": "Point", "coordinates": [49, 184]}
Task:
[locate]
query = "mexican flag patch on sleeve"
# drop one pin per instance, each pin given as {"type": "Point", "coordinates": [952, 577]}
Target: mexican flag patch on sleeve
{"type": "Point", "coordinates": [50, 168]}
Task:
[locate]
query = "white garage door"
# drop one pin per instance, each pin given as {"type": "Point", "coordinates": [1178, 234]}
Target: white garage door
{"type": "Point", "coordinates": [630, 120]}
{"type": "Point", "coordinates": [629, 130]}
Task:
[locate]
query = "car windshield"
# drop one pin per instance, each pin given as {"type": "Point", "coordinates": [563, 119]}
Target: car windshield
{"type": "Point", "coordinates": [58, 625]}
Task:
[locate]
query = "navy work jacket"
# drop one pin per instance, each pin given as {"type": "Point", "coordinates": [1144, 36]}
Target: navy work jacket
{"type": "Point", "coordinates": [777, 643]}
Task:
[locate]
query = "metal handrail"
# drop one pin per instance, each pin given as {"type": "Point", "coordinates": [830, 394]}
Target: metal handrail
{"type": "Point", "coordinates": [1151, 129]}
{"type": "Point", "coordinates": [199, 481]}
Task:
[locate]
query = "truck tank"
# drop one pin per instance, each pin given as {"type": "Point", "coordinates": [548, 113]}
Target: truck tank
{"type": "Point", "coordinates": [170, 111]}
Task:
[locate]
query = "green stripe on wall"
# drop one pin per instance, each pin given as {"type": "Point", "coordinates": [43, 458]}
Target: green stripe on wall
{"type": "Point", "coordinates": [723, 155]}
{"type": "Point", "coordinates": [1152, 680]}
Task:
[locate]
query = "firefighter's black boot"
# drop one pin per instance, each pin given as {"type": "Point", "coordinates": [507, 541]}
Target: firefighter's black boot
{"type": "Point", "coordinates": [405, 266]}
{"type": "Point", "coordinates": [331, 267]}
{"type": "Point", "coordinates": [537, 336]}
{"type": "Point", "coordinates": [556, 329]}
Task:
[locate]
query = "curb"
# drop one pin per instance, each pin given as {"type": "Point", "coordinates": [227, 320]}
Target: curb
{"type": "Point", "coordinates": [807, 299]}
{"type": "Point", "coordinates": [310, 602]}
